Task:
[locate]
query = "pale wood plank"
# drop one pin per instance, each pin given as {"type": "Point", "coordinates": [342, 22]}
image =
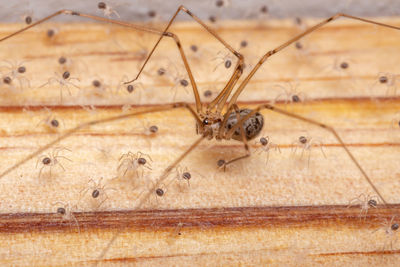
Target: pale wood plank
{"type": "Point", "coordinates": [363, 111]}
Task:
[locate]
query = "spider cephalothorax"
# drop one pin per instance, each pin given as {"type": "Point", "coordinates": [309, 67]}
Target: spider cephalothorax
{"type": "Point", "coordinates": [210, 125]}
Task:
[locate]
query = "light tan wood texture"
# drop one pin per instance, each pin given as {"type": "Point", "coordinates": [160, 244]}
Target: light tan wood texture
{"type": "Point", "coordinates": [290, 205]}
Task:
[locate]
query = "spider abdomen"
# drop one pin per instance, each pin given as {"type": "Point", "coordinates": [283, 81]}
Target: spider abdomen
{"type": "Point", "coordinates": [252, 126]}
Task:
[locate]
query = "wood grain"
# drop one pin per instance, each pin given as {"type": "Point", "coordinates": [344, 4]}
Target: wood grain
{"type": "Point", "coordinates": [286, 212]}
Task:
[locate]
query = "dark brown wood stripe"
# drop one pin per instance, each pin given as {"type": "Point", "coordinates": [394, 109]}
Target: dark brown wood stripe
{"type": "Point", "coordinates": [281, 216]}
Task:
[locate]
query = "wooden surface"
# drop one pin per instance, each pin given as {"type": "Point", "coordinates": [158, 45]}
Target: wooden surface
{"type": "Point", "coordinates": [287, 212]}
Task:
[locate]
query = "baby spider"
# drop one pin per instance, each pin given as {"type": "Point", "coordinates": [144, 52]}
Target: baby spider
{"type": "Point", "coordinates": [107, 10]}
{"type": "Point", "coordinates": [130, 163]}
{"type": "Point", "coordinates": [99, 88]}
{"type": "Point", "coordinates": [390, 228]}
{"type": "Point", "coordinates": [15, 71]}
{"type": "Point", "coordinates": [210, 91]}
{"type": "Point", "coordinates": [260, 13]}
{"type": "Point", "coordinates": [64, 80]}
{"type": "Point", "coordinates": [228, 60]}
{"type": "Point", "coordinates": [183, 174]}
{"type": "Point", "coordinates": [131, 88]}
{"type": "Point", "coordinates": [6, 81]}
{"type": "Point", "coordinates": [290, 94]}
{"type": "Point", "coordinates": [153, 192]}
{"type": "Point", "coordinates": [365, 202]}
{"type": "Point", "coordinates": [63, 61]}
{"type": "Point", "coordinates": [65, 210]}
{"type": "Point", "coordinates": [98, 191]}
{"type": "Point", "coordinates": [51, 33]}
{"type": "Point", "coordinates": [386, 80]}
{"type": "Point", "coordinates": [300, 24]}
{"type": "Point", "coordinates": [179, 80]}
{"type": "Point", "coordinates": [197, 54]}
{"type": "Point", "coordinates": [27, 18]}
{"type": "Point", "coordinates": [307, 143]}
{"type": "Point", "coordinates": [266, 146]}
{"type": "Point", "coordinates": [341, 66]}
{"type": "Point", "coordinates": [159, 192]}
{"type": "Point", "coordinates": [263, 13]}
{"type": "Point", "coordinates": [146, 128]}
{"type": "Point", "coordinates": [51, 160]}
{"type": "Point", "coordinates": [303, 53]}
{"type": "Point", "coordinates": [222, 3]}
{"type": "Point", "coordinates": [51, 122]}
{"type": "Point", "coordinates": [153, 17]}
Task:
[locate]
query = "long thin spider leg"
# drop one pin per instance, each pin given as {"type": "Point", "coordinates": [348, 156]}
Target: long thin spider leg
{"type": "Point", "coordinates": [357, 200]}
{"type": "Point", "coordinates": [322, 150]}
{"type": "Point", "coordinates": [294, 148]}
{"type": "Point", "coordinates": [49, 81]}
{"type": "Point", "coordinates": [93, 182]}
{"type": "Point", "coordinates": [62, 157]}
{"type": "Point", "coordinates": [120, 166]}
{"type": "Point", "coordinates": [266, 163]}
{"type": "Point", "coordinates": [224, 121]}
{"type": "Point", "coordinates": [82, 194]}
{"type": "Point", "coordinates": [147, 167]}
{"type": "Point", "coordinates": [317, 123]}
{"type": "Point", "coordinates": [20, 83]}
{"type": "Point", "coordinates": [76, 221]}
{"type": "Point", "coordinates": [39, 159]}
{"type": "Point", "coordinates": [244, 139]}
{"type": "Point", "coordinates": [62, 167]}
{"type": "Point", "coordinates": [302, 152]}
{"type": "Point", "coordinates": [40, 172]}
{"type": "Point", "coordinates": [101, 203]}
{"type": "Point", "coordinates": [74, 85]}
{"type": "Point", "coordinates": [223, 96]}
{"type": "Point", "coordinates": [139, 28]}
{"type": "Point", "coordinates": [294, 39]}
{"type": "Point", "coordinates": [90, 123]}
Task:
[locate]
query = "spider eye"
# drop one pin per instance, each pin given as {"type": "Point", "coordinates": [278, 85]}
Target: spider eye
{"type": "Point", "coordinates": [205, 121]}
